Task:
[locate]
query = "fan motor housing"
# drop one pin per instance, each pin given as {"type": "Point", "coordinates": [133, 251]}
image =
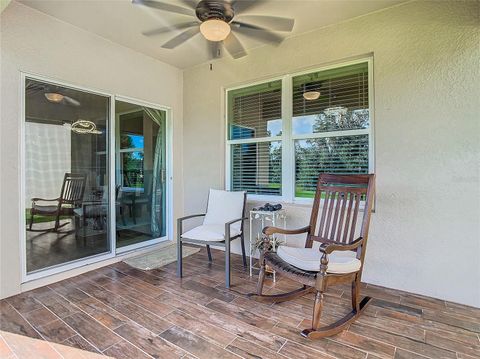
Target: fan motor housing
{"type": "Point", "coordinates": [211, 9]}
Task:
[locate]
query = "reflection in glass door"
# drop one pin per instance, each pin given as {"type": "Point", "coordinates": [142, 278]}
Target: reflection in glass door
{"type": "Point", "coordinates": [140, 169]}
{"type": "Point", "coordinates": [66, 177]}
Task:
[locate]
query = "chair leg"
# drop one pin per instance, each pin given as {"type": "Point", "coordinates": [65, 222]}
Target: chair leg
{"type": "Point", "coordinates": [244, 257]}
{"type": "Point", "coordinates": [317, 310]}
{"type": "Point", "coordinates": [134, 214]}
{"type": "Point", "coordinates": [31, 219]}
{"type": "Point", "coordinates": [356, 294]}
{"type": "Point", "coordinates": [123, 217]}
{"type": "Point", "coordinates": [179, 258]}
{"type": "Point", "coordinates": [261, 277]}
{"type": "Point", "coordinates": [209, 253]}
{"type": "Point", "coordinates": [57, 222]}
{"type": "Point", "coordinates": [227, 263]}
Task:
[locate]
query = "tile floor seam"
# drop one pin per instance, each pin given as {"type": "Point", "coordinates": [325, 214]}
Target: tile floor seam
{"type": "Point", "coordinates": [8, 345]}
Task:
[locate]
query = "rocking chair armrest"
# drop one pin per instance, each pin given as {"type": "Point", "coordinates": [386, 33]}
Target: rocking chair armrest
{"type": "Point", "coordinates": [275, 230]}
{"type": "Point", "coordinates": [328, 248]}
{"type": "Point", "coordinates": [36, 199]}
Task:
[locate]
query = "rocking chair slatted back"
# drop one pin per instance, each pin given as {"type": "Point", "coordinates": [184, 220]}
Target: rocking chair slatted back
{"type": "Point", "coordinates": [73, 189]}
{"type": "Point", "coordinates": [337, 221]}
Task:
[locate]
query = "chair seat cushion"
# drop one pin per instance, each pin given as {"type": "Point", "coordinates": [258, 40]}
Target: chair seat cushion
{"type": "Point", "coordinates": [45, 209]}
{"type": "Point", "coordinates": [309, 259]}
{"type": "Point", "coordinates": [210, 232]}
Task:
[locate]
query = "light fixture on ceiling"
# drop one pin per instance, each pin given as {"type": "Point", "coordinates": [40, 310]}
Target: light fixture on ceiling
{"type": "Point", "coordinates": [215, 29]}
{"type": "Point", "coordinates": [311, 89]}
{"type": "Point", "coordinates": [84, 127]}
{"type": "Point", "coordinates": [311, 95]}
{"type": "Point", "coordinates": [54, 97]}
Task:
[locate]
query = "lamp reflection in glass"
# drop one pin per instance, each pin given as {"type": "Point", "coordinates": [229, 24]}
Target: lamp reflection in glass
{"type": "Point", "coordinates": [83, 127]}
{"type": "Point", "coordinates": [54, 97]}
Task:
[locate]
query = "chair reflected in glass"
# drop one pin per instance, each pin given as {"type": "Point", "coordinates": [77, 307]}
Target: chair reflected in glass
{"type": "Point", "coordinates": [71, 197]}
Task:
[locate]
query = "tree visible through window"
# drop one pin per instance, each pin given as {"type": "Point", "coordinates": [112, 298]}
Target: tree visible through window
{"type": "Point", "coordinates": [328, 131]}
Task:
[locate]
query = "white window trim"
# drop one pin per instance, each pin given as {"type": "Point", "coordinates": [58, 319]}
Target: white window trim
{"type": "Point", "coordinates": [288, 138]}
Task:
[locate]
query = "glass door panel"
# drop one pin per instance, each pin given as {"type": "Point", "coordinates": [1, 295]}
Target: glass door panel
{"type": "Point", "coordinates": [66, 174]}
{"type": "Point", "coordinates": [140, 168]}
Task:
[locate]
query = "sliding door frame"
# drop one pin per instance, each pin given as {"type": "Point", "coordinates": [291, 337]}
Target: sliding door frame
{"type": "Point", "coordinates": [111, 232]}
{"type": "Point", "coordinates": [168, 169]}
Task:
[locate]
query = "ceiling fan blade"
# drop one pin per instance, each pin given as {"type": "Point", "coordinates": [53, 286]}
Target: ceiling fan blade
{"type": "Point", "coordinates": [234, 46]}
{"type": "Point", "coordinates": [165, 7]}
{"type": "Point", "coordinates": [192, 4]}
{"type": "Point", "coordinates": [214, 48]}
{"type": "Point", "coordinates": [71, 101]}
{"type": "Point", "coordinates": [256, 32]}
{"type": "Point", "coordinates": [274, 23]}
{"type": "Point", "coordinates": [179, 39]}
{"type": "Point", "coordinates": [243, 5]}
{"type": "Point", "coordinates": [164, 29]}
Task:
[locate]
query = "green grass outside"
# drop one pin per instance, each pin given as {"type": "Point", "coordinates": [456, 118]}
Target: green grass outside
{"type": "Point", "coordinates": [41, 219]}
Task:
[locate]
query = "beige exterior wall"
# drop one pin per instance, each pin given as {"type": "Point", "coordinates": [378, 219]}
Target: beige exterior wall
{"type": "Point", "coordinates": [425, 233]}
{"type": "Point", "coordinates": [39, 44]}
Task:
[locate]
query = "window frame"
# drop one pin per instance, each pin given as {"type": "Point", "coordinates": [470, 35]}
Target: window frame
{"type": "Point", "coordinates": [288, 139]}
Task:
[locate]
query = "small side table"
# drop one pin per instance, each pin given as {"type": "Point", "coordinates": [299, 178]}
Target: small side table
{"type": "Point", "coordinates": [273, 217]}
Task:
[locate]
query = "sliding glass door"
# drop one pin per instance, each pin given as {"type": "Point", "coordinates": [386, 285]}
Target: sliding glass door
{"type": "Point", "coordinates": [90, 192]}
{"type": "Point", "coordinates": [140, 172]}
{"type": "Point", "coordinates": [66, 174]}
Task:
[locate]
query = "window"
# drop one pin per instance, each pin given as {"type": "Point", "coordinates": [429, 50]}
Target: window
{"type": "Point", "coordinates": [282, 134]}
{"type": "Point", "coordinates": [255, 138]}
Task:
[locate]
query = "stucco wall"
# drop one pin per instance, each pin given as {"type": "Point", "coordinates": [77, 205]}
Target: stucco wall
{"type": "Point", "coordinates": [36, 43]}
{"type": "Point", "coordinates": [425, 234]}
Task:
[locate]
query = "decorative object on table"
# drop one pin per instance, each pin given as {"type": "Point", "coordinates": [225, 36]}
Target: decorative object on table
{"type": "Point", "coordinates": [222, 224]}
{"type": "Point", "coordinates": [340, 257]}
{"type": "Point", "coordinates": [264, 217]}
{"type": "Point", "coordinates": [159, 257]}
{"type": "Point", "coordinates": [267, 207]}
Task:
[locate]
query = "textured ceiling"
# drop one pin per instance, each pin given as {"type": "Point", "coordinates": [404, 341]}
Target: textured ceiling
{"type": "Point", "coordinates": [122, 22]}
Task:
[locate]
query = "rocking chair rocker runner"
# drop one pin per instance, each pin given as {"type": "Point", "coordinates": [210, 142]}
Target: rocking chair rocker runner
{"type": "Point", "coordinates": [340, 256]}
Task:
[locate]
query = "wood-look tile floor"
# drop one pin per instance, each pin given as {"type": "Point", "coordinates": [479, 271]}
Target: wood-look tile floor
{"type": "Point", "coordinates": [128, 313]}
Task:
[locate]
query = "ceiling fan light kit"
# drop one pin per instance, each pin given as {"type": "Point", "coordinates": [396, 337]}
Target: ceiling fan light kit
{"type": "Point", "coordinates": [54, 97]}
{"type": "Point", "coordinates": [215, 20]}
{"type": "Point", "coordinates": [215, 29]}
{"type": "Point", "coordinates": [311, 95]}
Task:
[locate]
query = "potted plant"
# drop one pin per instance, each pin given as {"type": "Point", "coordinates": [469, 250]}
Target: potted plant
{"type": "Point", "coordinates": [266, 243]}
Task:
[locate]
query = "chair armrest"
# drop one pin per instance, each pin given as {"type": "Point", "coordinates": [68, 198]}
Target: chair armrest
{"type": "Point", "coordinates": [330, 247]}
{"type": "Point", "coordinates": [274, 230]}
{"type": "Point", "coordinates": [181, 219]}
{"type": "Point", "coordinates": [35, 199]}
{"type": "Point", "coordinates": [235, 221]}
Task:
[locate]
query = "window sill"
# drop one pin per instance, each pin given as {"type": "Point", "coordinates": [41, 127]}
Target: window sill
{"type": "Point", "coordinates": [256, 201]}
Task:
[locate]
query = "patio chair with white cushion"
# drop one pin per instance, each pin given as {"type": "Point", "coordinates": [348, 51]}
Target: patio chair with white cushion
{"type": "Point", "coordinates": [222, 224]}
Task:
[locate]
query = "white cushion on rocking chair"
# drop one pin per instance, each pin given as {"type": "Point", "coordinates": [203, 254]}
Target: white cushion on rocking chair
{"type": "Point", "coordinates": [309, 259]}
{"type": "Point", "coordinates": [210, 232]}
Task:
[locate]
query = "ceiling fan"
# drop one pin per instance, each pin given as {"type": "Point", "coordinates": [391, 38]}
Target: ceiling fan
{"type": "Point", "coordinates": [217, 21]}
{"type": "Point", "coordinates": [51, 95]}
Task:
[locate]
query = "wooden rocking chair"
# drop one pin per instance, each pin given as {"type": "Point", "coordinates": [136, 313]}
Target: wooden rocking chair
{"type": "Point", "coordinates": [71, 196]}
{"type": "Point", "coordinates": [340, 257]}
